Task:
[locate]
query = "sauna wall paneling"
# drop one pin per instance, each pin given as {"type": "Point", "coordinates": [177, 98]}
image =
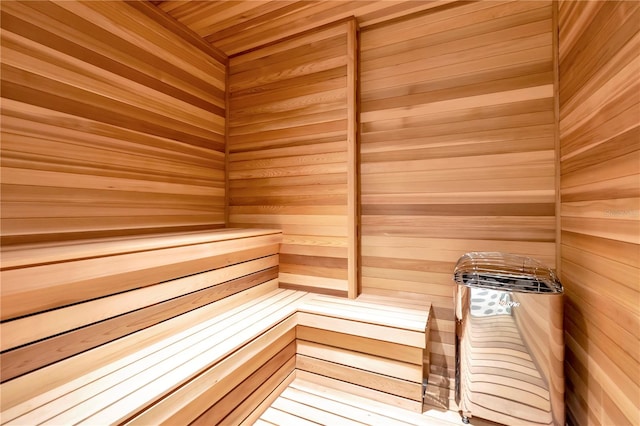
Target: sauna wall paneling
{"type": "Point", "coordinates": [111, 123]}
{"type": "Point", "coordinates": [599, 45]}
{"type": "Point", "coordinates": [292, 153]}
{"type": "Point", "coordinates": [457, 151]}
{"type": "Point", "coordinates": [240, 26]}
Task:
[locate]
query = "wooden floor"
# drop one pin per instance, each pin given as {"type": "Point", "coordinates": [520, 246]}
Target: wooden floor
{"type": "Point", "coordinates": [307, 403]}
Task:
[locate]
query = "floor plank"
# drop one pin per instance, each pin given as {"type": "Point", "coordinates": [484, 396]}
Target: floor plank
{"type": "Point", "coordinates": [304, 401]}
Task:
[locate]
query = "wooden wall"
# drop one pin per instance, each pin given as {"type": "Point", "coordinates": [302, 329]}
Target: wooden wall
{"type": "Point", "coordinates": [111, 123]}
{"type": "Point", "coordinates": [457, 151]}
{"type": "Point", "coordinates": [291, 153]}
{"type": "Point", "coordinates": [599, 47]}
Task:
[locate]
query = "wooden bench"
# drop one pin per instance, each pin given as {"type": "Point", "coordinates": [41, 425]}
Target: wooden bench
{"type": "Point", "coordinates": [62, 299]}
{"type": "Point", "coordinates": [187, 328]}
{"type": "Point", "coordinates": [142, 329]}
{"type": "Point", "coordinates": [374, 345]}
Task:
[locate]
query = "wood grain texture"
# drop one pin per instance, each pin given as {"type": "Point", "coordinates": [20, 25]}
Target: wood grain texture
{"type": "Point", "coordinates": [239, 26]}
{"type": "Point", "coordinates": [292, 153]}
{"type": "Point", "coordinates": [111, 123]}
{"type": "Point", "coordinates": [33, 288]}
{"type": "Point", "coordinates": [188, 362]}
{"type": "Point", "coordinates": [39, 331]}
{"type": "Point", "coordinates": [313, 399]}
{"type": "Point", "coordinates": [238, 404]}
{"type": "Point", "coordinates": [599, 47]}
{"type": "Point", "coordinates": [368, 342]}
{"type": "Point", "coordinates": [457, 152]}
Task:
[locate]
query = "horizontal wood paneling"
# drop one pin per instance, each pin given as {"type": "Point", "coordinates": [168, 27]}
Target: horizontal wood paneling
{"type": "Point", "coordinates": [457, 152]}
{"type": "Point", "coordinates": [111, 123]}
{"type": "Point", "coordinates": [239, 26]}
{"type": "Point", "coordinates": [599, 44]}
{"type": "Point", "coordinates": [58, 301]}
{"type": "Point", "coordinates": [292, 153]}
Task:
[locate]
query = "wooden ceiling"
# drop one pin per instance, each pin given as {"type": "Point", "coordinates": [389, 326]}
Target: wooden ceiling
{"type": "Point", "coordinates": [238, 26]}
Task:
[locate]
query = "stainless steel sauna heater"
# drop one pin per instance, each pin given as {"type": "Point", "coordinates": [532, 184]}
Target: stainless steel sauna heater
{"type": "Point", "coordinates": [509, 340]}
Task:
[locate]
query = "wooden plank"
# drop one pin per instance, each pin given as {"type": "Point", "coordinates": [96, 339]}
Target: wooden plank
{"type": "Point", "coordinates": [362, 361]}
{"type": "Point", "coordinates": [58, 379]}
{"type": "Point", "coordinates": [74, 127]}
{"type": "Point", "coordinates": [57, 287]}
{"type": "Point", "coordinates": [361, 311]}
{"type": "Point", "coordinates": [353, 186]}
{"type": "Point", "coordinates": [308, 95]}
{"type": "Point", "coordinates": [44, 352]}
{"type": "Point", "coordinates": [373, 331]}
{"type": "Point", "coordinates": [254, 416]}
{"type": "Point", "coordinates": [261, 393]}
{"type": "Point", "coordinates": [40, 326]}
{"type": "Point", "coordinates": [150, 383]}
{"type": "Point", "coordinates": [325, 388]}
{"type": "Point", "coordinates": [294, 402]}
{"type": "Point", "coordinates": [201, 402]}
{"type": "Point", "coordinates": [34, 254]}
{"type": "Point", "coordinates": [360, 344]}
{"type": "Point", "coordinates": [401, 388]}
{"type": "Point", "coordinates": [598, 127]}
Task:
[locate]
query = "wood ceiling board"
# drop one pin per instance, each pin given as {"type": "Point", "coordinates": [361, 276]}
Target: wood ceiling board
{"type": "Point", "coordinates": [239, 26]}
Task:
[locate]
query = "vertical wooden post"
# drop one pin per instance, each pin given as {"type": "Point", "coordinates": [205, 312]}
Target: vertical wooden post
{"type": "Point", "coordinates": [556, 131]}
{"type": "Point", "coordinates": [353, 189]}
{"type": "Point", "coordinates": [227, 115]}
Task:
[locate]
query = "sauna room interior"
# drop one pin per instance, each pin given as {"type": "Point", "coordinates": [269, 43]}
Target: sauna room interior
{"type": "Point", "coordinates": [250, 212]}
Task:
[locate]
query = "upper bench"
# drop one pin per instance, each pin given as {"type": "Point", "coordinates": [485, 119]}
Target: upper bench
{"type": "Point", "coordinates": [60, 299]}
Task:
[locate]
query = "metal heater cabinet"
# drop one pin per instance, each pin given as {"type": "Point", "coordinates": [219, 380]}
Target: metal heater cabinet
{"type": "Point", "coordinates": [509, 340]}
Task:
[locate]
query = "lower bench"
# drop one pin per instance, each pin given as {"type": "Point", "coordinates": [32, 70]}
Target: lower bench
{"type": "Point", "coordinates": [228, 365]}
{"type": "Point", "coordinates": [374, 343]}
{"type": "Point", "coordinates": [175, 379]}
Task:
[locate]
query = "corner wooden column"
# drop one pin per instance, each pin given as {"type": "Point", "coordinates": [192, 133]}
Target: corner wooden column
{"type": "Point", "coordinates": [599, 96]}
{"type": "Point", "coordinates": [292, 152]}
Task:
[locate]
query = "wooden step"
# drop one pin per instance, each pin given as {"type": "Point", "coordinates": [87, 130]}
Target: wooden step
{"type": "Point", "coordinates": [62, 299]}
{"type": "Point", "coordinates": [314, 399]}
{"type": "Point", "coordinates": [380, 346]}
{"type": "Point", "coordinates": [118, 391]}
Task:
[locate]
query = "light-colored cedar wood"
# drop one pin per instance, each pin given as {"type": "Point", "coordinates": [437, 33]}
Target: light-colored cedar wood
{"type": "Point", "coordinates": [599, 153]}
{"type": "Point", "coordinates": [556, 111]}
{"type": "Point", "coordinates": [388, 367]}
{"type": "Point", "coordinates": [257, 394]}
{"type": "Point", "coordinates": [156, 370]}
{"type": "Point", "coordinates": [107, 129]}
{"type": "Point", "coordinates": [53, 335]}
{"type": "Point", "coordinates": [50, 323]}
{"type": "Point", "coordinates": [369, 344]}
{"type": "Point", "coordinates": [28, 290]}
{"type": "Point", "coordinates": [391, 316]}
{"type": "Point", "coordinates": [408, 390]}
{"type": "Point", "coordinates": [254, 416]}
{"type": "Point", "coordinates": [457, 152]}
{"type": "Point", "coordinates": [328, 395]}
{"type": "Point", "coordinates": [292, 153]}
{"type": "Point", "coordinates": [361, 344]}
{"type": "Point", "coordinates": [246, 25]}
{"type": "Point", "coordinates": [262, 396]}
{"type": "Point", "coordinates": [237, 377]}
{"type": "Point", "coordinates": [28, 358]}
{"type": "Point", "coordinates": [24, 255]}
{"type": "Point", "coordinates": [290, 401]}
{"type": "Point", "coordinates": [46, 380]}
